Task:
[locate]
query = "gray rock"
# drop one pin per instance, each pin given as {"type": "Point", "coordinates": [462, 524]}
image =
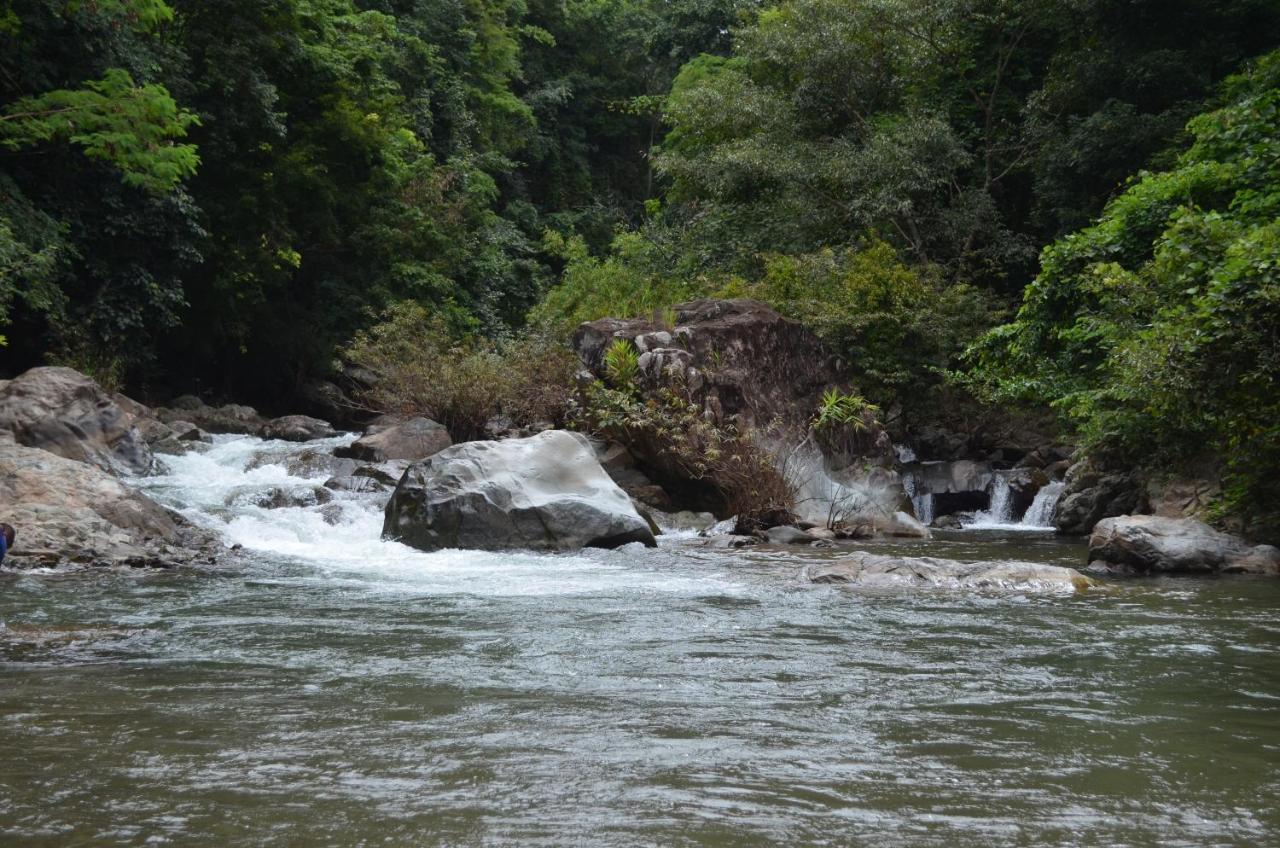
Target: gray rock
{"type": "Point", "coordinates": [546, 492]}
{"type": "Point", "coordinates": [281, 498]}
{"type": "Point", "coordinates": [889, 572]}
{"type": "Point", "coordinates": [413, 440]}
{"type": "Point", "coordinates": [1149, 544]}
{"type": "Point", "coordinates": [69, 512]}
{"type": "Point", "coordinates": [297, 428]}
{"type": "Point", "coordinates": [1092, 495]}
{"type": "Point", "coordinates": [231, 418]}
{"type": "Point", "coordinates": [900, 525]}
{"type": "Point", "coordinates": [310, 463]}
{"type": "Point", "coordinates": [729, 541]}
{"type": "Point", "coordinates": [789, 536]}
{"type": "Point", "coordinates": [66, 413]}
{"type": "Point", "coordinates": [352, 483]}
{"type": "Point", "coordinates": [685, 521]}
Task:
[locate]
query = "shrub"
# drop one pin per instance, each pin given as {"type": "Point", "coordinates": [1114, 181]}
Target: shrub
{"type": "Point", "coordinates": [720, 467]}
{"type": "Point", "coordinates": [424, 369]}
{"type": "Point", "coordinates": [622, 365]}
{"type": "Point", "coordinates": [899, 328]}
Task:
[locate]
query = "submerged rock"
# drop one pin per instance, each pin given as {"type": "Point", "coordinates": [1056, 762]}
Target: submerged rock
{"type": "Point", "coordinates": [876, 571]}
{"type": "Point", "coordinates": [787, 535]}
{"type": "Point", "coordinates": [1150, 544]}
{"type": "Point", "coordinates": [69, 512]}
{"type": "Point", "coordinates": [66, 413]}
{"type": "Point", "coordinates": [546, 492]}
{"type": "Point", "coordinates": [413, 440]}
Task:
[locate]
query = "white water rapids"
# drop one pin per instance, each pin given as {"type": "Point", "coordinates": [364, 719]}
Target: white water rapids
{"type": "Point", "coordinates": [217, 489]}
{"type": "Point", "coordinates": [327, 688]}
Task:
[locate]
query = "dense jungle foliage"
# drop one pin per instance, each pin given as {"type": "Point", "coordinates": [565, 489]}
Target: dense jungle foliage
{"type": "Point", "coordinates": [222, 195]}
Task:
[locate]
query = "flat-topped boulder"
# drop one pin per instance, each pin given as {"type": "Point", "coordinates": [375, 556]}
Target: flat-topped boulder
{"type": "Point", "coordinates": [412, 439]}
{"type": "Point", "coordinates": [66, 413]}
{"type": "Point", "coordinates": [229, 418]}
{"type": "Point", "coordinates": [1151, 544]}
{"type": "Point", "coordinates": [546, 493]}
{"type": "Point", "coordinates": [72, 513]}
{"type": "Point", "coordinates": [874, 571]}
{"type": "Point", "coordinates": [297, 428]}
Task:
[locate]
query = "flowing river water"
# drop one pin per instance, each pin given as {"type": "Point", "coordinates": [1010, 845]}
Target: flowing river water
{"type": "Point", "coordinates": [322, 687]}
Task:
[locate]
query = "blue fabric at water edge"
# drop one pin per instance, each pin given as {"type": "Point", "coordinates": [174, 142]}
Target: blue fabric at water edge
{"type": "Point", "coordinates": [4, 546]}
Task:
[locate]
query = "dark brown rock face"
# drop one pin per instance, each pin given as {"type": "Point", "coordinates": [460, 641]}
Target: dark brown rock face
{"type": "Point", "coordinates": [1092, 495]}
{"type": "Point", "coordinates": [738, 357]}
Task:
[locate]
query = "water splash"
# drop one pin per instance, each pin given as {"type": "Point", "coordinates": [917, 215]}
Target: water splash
{"type": "Point", "coordinates": [343, 538]}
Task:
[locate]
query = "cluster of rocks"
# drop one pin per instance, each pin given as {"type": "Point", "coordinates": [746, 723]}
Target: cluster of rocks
{"type": "Point", "coordinates": [64, 443]}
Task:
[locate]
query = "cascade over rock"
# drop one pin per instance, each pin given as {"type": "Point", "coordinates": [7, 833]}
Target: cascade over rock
{"type": "Point", "coordinates": [66, 413]}
{"type": "Point", "coordinates": [546, 492]}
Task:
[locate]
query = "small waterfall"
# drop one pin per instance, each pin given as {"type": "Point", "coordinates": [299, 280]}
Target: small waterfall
{"type": "Point", "coordinates": [1000, 510]}
{"type": "Point", "coordinates": [921, 502]}
{"type": "Point", "coordinates": [904, 454]}
{"type": "Point", "coordinates": [1040, 513]}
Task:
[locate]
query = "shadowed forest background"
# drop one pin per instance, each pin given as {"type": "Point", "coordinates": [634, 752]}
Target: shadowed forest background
{"type": "Point", "coordinates": [1066, 204]}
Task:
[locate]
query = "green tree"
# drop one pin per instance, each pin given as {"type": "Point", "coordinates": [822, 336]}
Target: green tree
{"type": "Point", "coordinates": [1155, 330]}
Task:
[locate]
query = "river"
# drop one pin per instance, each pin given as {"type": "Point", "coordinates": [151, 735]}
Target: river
{"type": "Point", "coordinates": [322, 687]}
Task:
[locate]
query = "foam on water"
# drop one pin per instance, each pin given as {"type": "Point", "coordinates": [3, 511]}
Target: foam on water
{"type": "Point", "coordinates": [343, 539]}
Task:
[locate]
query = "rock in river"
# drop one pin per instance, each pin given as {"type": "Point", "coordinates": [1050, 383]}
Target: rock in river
{"type": "Point", "coordinates": [546, 492]}
{"type": "Point", "coordinates": [68, 512]}
{"type": "Point", "coordinates": [414, 439]}
{"type": "Point", "coordinates": [888, 572]}
{"type": "Point", "coordinates": [1152, 544]}
{"type": "Point", "coordinates": [64, 412]}
{"type": "Point", "coordinates": [297, 428]}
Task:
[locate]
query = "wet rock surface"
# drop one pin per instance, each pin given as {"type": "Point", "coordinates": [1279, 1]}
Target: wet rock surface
{"type": "Point", "coordinates": [1092, 495]}
{"type": "Point", "coordinates": [70, 512]}
{"type": "Point", "coordinates": [865, 570]}
{"type": "Point", "coordinates": [1150, 544]}
{"type": "Point", "coordinates": [546, 492]}
{"type": "Point", "coordinates": [297, 428]}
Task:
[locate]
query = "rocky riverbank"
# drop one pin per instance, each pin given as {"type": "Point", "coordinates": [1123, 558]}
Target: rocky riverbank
{"type": "Point", "coordinates": [69, 451]}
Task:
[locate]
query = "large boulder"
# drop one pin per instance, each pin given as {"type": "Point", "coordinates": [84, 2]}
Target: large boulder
{"type": "Point", "coordinates": [874, 571]}
{"type": "Point", "coordinates": [1152, 544]}
{"type": "Point", "coordinates": [738, 358]}
{"type": "Point", "coordinates": [1092, 495]}
{"type": "Point", "coordinates": [414, 439]}
{"type": "Point", "coordinates": [297, 428]}
{"type": "Point", "coordinates": [66, 413]}
{"type": "Point", "coordinates": [230, 418]}
{"type": "Point", "coordinates": [546, 492]}
{"type": "Point", "coordinates": [69, 512]}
